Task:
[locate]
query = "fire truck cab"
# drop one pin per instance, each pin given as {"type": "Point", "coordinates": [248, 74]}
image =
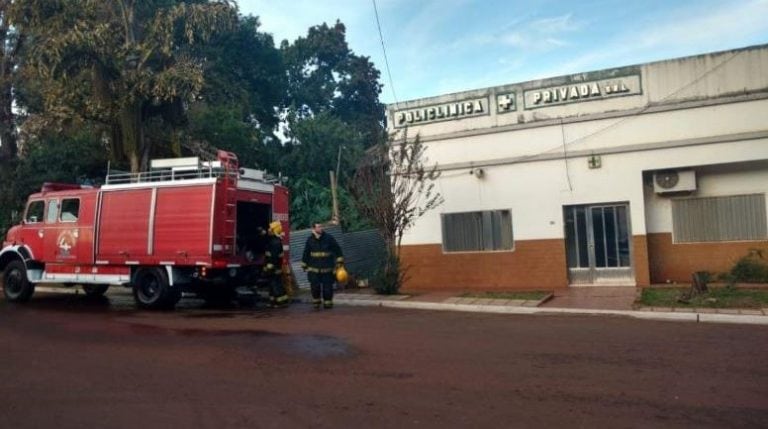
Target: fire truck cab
{"type": "Point", "coordinates": [184, 226]}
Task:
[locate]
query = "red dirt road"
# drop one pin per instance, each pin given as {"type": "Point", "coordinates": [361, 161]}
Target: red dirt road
{"type": "Point", "coordinates": [66, 362]}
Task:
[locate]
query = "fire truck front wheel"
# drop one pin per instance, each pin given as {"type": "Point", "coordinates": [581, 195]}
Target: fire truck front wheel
{"type": "Point", "coordinates": [16, 286]}
{"type": "Point", "coordinates": [151, 289]}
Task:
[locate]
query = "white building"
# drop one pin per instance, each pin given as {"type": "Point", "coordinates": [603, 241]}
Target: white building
{"type": "Point", "coordinates": [627, 176]}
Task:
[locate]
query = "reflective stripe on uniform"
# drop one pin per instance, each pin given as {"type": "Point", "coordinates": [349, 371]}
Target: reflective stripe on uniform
{"type": "Point", "coordinates": [282, 298]}
{"type": "Point", "coordinates": [340, 260]}
{"type": "Point", "coordinates": [319, 270]}
{"type": "Point", "coordinates": [319, 254]}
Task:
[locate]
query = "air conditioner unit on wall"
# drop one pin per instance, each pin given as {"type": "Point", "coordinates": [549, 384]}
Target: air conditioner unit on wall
{"type": "Point", "coordinates": [674, 181]}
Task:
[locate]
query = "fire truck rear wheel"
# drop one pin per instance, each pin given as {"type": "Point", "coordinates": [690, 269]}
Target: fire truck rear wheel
{"type": "Point", "coordinates": [151, 289]}
{"type": "Point", "coordinates": [16, 285]}
{"type": "Point", "coordinates": [95, 290]}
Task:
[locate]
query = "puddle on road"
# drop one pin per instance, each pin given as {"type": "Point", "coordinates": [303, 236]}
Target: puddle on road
{"type": "Point", "coordinates": [319, 346]}
{"type": "Point", "coordinates": [298, 345]}
{"type": "Point", "coordinates": [114, 308]}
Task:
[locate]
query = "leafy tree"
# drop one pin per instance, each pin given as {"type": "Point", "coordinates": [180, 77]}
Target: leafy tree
{"type": "Point", "coordinates": [322, 143]}
{"type": "Point", "coordinates": [315, 150]}
{"type": "Point", "coordinates": [393, 187]}
{"type": "Point", "coordinates": [246, 70]}
{"type": "Point", "coordinates": [331, 106]}
{"type": "Point", "coordinates": [65, 156]}
{"type": "Point", "coordinates": [311, 201]}
{"type": "Point", "coordinates": [223, 126]}
{"type": "Point", "coordinates": [119, 63]}
{"type": "Point", "coordinates": [324, 75]}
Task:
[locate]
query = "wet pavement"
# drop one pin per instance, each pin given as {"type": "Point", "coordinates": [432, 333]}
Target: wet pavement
{"type": "Point", "coordinates": [67, 361]}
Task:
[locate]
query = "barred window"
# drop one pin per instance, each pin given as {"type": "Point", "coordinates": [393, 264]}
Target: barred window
{"type": "Point", "coordinates": [477, 231]}
{"type": "Point", "coordinates": [731, 218]}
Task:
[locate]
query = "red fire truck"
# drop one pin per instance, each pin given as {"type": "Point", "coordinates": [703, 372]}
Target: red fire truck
{"type": "Point", "coordinates": [184, 226]}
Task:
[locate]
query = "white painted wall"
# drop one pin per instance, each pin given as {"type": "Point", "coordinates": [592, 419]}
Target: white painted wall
{"type": "Point", "coordinates": [537, 191]}
{"type": "Point", "coordinates": [723, 119]}
{"type": "Point", "coordinates": [643, 129]}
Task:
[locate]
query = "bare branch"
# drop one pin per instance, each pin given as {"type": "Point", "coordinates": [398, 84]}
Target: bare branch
{"type": "Point", "coordinates": [393, 187]}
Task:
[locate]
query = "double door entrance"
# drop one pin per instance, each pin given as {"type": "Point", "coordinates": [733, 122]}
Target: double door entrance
{"type": "Point", "coordinates": [598, 244]}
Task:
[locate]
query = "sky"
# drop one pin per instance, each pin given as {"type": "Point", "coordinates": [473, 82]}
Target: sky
{"type": "Point", "coordinates": [437, 47]}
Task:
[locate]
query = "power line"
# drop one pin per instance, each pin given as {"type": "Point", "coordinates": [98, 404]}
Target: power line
{"type": "Point", "coordinates": [384, 49]}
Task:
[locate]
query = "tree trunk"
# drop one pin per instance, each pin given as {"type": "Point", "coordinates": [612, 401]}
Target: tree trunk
{"type": "Point", "coordinates": [8, 146]}
{"type": "Point", "coordinates": [132, 137]}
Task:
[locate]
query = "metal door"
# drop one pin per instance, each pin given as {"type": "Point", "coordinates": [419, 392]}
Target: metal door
{"type": "Point", "coordinates": [598, 244]}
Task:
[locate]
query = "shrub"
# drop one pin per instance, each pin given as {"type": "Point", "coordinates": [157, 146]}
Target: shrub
{"type": "Point", "coordinates": [751, 268]}
{"type": "Point", "coordinates": [386, 280]}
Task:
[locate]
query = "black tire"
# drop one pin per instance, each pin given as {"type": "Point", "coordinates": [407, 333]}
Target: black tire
{"type": "Point", "coordinates": [16, 285]}
{"type": "Point", "coordinates": [151, 290]}
{"type": "Point", "coordinates": [93, 291]}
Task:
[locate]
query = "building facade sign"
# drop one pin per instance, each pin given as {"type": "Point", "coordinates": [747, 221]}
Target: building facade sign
{"type": "Point", "coordinates": [506, 102]}
{"type": "Point", "coordinates": [583, 91]}
{"type": "Point", "coordinates": [441, 112]}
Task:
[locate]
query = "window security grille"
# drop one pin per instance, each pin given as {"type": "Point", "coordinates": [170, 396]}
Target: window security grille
{"type": "Point", "coordinates": [477, 231]}
{"type": "Point", "coordinates": [730, 218]}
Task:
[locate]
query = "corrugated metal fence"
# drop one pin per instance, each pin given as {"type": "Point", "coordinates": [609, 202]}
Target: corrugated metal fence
{"type": "Point", "coordinates": [363, 251]}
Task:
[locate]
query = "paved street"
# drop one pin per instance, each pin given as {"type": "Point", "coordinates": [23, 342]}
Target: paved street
{"type": "Point", "coordinates": [68, 362]}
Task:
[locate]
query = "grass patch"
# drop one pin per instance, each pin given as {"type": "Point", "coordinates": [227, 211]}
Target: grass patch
{"type": "Point", "coordinates": [721, 297]}
{"type": "Point", "coordinates": [528, 296]}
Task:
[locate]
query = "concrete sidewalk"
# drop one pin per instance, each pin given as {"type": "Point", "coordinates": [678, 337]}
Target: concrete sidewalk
{"type": "Point", "coordinates": [613, 303]}
{"type": "Point", "coordinates": [602, 303]}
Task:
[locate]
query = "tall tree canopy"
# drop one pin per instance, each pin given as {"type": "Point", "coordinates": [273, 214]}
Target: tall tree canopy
{"type": "Point", "coordinates": [325, 76]}
{"type": "Point", "coordinates": [331, 108]}
{"type": "Point", "coordinates": [120, 62]}
{"type": "Point", "coordinates": [135, 79]}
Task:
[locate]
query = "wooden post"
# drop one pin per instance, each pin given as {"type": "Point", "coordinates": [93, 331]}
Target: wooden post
{"type": "Point", "coordinates": [335, 218]}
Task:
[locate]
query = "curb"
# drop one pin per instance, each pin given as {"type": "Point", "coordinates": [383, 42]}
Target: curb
{"type": "Point", "coordinates": [644, 315]}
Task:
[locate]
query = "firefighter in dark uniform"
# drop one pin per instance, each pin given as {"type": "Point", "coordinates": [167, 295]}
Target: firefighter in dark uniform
{"type": "Point", "coordinates": [274, 266]}
{"type": "Point", "coordinates": [322, 256]}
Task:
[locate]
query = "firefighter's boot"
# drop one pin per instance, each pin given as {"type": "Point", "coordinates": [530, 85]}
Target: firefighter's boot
{"type": "Point", "coordinates": [316, 303]}
{"type": "Point", "coordinates": [282, 301]}
{"type": "Point", "coordinates": [327, 305]}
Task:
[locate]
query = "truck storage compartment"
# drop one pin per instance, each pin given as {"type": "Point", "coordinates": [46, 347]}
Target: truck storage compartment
{"type": "Point", "coordinates": [252, 223]}
{"type": "Point", "coordinates": [182, 224]}
{"type": "Point", "coordinates": [124, 226]}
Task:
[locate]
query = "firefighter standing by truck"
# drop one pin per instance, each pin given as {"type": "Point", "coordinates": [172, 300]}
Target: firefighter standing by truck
{"type": "Point", "coordinates": [274, 266]}
{"type": "Point", "coordinates": [322, 259]}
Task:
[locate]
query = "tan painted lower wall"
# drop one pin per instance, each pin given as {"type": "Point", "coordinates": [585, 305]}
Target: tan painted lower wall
{"type": "Point", "coordinates": [534, 264]}
{"type": "Point", "coordinates": [676, 262]}
{"type": "Point", "coordinates": [640, 256]}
